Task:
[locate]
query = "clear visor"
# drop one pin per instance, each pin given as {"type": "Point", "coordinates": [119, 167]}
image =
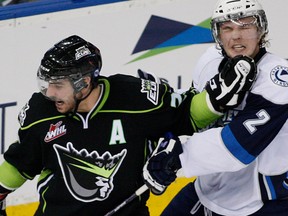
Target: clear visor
{"type": "Point", "coordinates": [245, 22]}
{"type": "Point", "coordinates": [240, 19]}
{"type": "Point", "coordinates": [236, 16]}
{"type": "Point", "coordinates": [43, 83]}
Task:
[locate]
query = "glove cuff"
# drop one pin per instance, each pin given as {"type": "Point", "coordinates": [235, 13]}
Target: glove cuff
{"type": "Point", "coordinates": [213, 106]}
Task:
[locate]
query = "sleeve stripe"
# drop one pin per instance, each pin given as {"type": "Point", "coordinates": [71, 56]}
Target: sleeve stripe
{"type": "Point", "coordinates": [234, 146]}
{"type": "Point", "coordinates": [270, 190]}
{"type": "Point", "coordinates": [201, 113]}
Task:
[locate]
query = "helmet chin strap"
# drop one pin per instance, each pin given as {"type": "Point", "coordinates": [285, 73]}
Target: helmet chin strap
{"type": "Point", "coordinates": [78, 101]}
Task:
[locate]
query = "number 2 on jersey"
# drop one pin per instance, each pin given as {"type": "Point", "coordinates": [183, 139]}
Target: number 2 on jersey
{"type": "Point", "coordinates": [251, 124]}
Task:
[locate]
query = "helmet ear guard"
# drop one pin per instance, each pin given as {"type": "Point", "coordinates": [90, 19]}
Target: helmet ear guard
{"type": "Point", "coordinates": [72, 58]}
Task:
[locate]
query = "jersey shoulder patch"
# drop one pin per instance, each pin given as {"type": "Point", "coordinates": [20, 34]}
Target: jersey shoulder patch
{"type": "Point", "coordinates": [272, 79]}
{"type": "Point", "coordinates": [146, 94]}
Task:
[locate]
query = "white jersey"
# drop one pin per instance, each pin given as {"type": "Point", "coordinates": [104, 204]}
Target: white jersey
{"type": "Point", "coordinates": [246, 161]}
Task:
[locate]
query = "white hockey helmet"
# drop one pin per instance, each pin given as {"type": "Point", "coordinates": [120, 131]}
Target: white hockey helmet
{"type": "Point", "coordinates": [234, 10]}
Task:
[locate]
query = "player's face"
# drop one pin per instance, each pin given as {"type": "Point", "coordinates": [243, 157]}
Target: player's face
{"type": "Point", "coordinates": [240, 37]}
{"type": "Point", "coordinates": [62, 92]}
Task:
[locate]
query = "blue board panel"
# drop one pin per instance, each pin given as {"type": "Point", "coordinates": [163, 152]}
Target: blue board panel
{"type": "Point", "coordinates": [47, 6]}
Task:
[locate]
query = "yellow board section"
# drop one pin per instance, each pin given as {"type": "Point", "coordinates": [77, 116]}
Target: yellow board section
{"type": "Point", "coordinates": [22, 210]}
{"type": "Point", "coordinates": [156, 204]}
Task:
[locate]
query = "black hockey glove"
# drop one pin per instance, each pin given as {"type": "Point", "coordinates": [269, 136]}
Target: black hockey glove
{"type": "Point", "coordinates": [227, 89]}
{"type": "Point", "coordinates": [161, 168]}
{"type": "Point", "coordinates": [3, 204]}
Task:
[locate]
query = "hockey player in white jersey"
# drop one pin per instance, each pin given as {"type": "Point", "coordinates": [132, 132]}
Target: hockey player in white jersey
{"type": "Point", "coordinates": [241, 162]}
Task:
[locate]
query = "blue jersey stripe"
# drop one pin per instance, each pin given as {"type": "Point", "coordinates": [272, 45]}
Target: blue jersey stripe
{"type": "Point", "coordinates": [271, 187]}
{"type": "Point", "coordinates": [234, 146]}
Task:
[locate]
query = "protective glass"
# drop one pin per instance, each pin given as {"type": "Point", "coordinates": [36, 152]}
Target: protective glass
{"type": "Point", "coordinates": [57, 83]}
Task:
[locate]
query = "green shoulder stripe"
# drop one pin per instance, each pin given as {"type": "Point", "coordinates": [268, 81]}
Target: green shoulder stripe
{"type": "Point", "coordinates": [107, 86]}
{"type": "Point", "coordinates": [41, 120]}
{"type": "Point", "coordinates": [105, 96]}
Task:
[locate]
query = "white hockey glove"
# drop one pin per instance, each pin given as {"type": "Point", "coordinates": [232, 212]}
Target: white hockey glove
{"type": "Point", "coordinates": [228, 88]}
{"type": "Point", "coordinates": [161, 168]}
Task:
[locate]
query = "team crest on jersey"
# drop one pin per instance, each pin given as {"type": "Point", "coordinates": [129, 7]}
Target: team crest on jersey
{"type": "Point", "coordinates": [151, 89]}
{"type": "Point", "coordinates": [22, 115]}
{"type": "Point", "coordinates": [88, 176]}
{"type": "Point", "coordinates": [55, 131]}
{"type": "Point", "coordinates": [279, 75]}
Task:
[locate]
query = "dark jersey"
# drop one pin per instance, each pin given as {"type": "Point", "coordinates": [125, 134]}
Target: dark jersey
{"type": "Point", "coordinates": [90, 162]}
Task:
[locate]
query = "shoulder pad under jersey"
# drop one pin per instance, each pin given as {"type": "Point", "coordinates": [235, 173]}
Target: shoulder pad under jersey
{"type": "Point", "coordinates": [132, 93]}
{"type": "Point", "coordinates": [36, 109]}
{"type": "Point", "coordinates": [272, 79]}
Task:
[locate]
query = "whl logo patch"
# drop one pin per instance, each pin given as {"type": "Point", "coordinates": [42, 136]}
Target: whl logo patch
{"type": "Point", "coordinates": [55, 131]}
{"type": "Point", "coordinates": [88, 176]}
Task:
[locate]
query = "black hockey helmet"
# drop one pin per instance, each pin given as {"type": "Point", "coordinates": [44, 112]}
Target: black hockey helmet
{"type": "Point", "coordinates": [72, 58]}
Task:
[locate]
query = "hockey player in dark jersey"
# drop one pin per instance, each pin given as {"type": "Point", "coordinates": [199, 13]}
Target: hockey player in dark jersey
{"type": "Point", "coordinates": [241, 165]}
{"type": "Point", "coordinates": [86, 135]}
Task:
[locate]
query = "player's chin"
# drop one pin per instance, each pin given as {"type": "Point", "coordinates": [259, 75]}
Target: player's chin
{"type": "Point", "coordinates": [62, 107]}
{"type": "Point", "coordinates": [233, 52]}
